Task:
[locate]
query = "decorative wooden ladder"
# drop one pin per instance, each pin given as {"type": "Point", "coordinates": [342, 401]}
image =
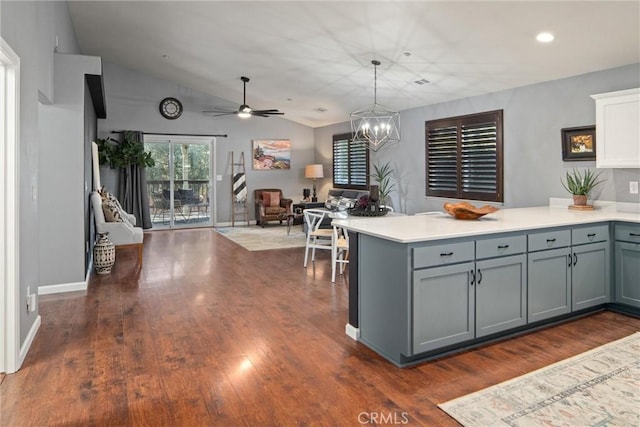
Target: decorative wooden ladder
{"type": "Point", "coordinates": [238, 190]}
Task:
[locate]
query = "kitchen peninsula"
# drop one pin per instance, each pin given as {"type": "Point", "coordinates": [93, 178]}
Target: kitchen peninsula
{"type": "Point", "coordinates": [426, 285]}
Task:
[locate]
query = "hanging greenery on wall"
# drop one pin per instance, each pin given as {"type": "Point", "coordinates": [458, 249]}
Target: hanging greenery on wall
{"type": "Point", "coordinates": [122, 154]}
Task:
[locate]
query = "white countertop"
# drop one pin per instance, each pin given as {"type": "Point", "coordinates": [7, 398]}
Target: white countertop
{"type": "Point", "coordinates": [420, 228]}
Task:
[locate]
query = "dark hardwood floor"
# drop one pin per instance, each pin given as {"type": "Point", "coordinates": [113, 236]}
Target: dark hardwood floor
{"type": "Point", "coordinates": [207, 333]}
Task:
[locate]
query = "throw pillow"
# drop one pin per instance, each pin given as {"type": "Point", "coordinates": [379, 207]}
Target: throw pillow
{"type": "Point", "coordinates": [271, 198]}
{"type": "Point", "coordinates": [111, 211]}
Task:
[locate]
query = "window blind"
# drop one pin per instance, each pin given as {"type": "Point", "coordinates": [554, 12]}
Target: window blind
{"type": "Point", "coordinates": [350, 163]}
{"type": "Point", "coordinates": [464, 157]}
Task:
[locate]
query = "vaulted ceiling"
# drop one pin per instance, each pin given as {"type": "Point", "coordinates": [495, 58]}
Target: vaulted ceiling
{"type": "Point", "coordinates": [304, 57]}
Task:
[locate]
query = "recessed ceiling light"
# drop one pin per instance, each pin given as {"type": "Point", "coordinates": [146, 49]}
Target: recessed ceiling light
{"type": "Point", "coordinates": [321, 109]}
{"type": "Point", "coordinates": [421, 82]}
{"type": "Point", "coordinates": [545, 37]}
{"type": "Point", "coordinates": [165, 56]}
{"type": "Point", "coordinates": [406, 53]}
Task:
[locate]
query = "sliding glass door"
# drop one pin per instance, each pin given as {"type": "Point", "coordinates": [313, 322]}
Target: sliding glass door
{"type": "Point", "coordinates": [180, 184]}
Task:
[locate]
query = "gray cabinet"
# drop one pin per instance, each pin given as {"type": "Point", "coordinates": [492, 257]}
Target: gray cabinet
{"type": "Point", "coordinates": [443, 306]}
{"type": "Point", "coordinates": [590, 266]}
{"type": "Point", "coordinates": [548, 274]}
{"type": "Point", "coordinates": [501, 294]}
{"type": "Point", "coordinates": [627, 264]}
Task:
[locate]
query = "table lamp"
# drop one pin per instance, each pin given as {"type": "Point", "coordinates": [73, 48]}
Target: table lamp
{"type": "Point", "coordinates": [313, 172]}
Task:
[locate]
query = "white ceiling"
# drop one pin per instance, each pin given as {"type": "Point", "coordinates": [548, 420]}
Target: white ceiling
{"type": "Point", "coordinates": [305, 55]}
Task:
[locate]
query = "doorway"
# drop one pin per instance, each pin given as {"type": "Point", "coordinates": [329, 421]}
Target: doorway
{"type": "Point", "coordinates": [180, 184]}
{"type": "Point", "coordinates": [9, 249]}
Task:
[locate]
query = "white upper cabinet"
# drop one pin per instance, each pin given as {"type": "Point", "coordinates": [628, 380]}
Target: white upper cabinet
{"type": "Point", "coordinates": [618, 129]}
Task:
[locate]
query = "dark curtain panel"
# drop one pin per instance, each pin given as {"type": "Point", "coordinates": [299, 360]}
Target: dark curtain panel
{"type": "Point", "coordinates": [132, 187]}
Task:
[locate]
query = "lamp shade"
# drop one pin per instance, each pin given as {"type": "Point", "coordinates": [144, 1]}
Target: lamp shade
{"type": "Point", "coordinates": [313, 171]}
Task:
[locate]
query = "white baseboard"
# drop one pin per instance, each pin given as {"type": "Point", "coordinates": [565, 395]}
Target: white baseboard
{"type": "Point", "coordinates": [68, 287]}
{"type": "Point", "coordinates": [64, 287]}
{"type": "Point", "coordinates": [26, 345]}
{"type": "Point", "coordinates": [352, 332]}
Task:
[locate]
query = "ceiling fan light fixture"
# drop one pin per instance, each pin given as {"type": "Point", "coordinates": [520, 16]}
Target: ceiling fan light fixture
{"type": "Point", "coordinates": [375, 125]}
{"type": "Point", "coordinates": [244, 112]}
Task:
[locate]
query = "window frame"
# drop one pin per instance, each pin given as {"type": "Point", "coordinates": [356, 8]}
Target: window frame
{"type": "Point", "coordinates": [350, 144]}
{"type": "Point", "coordinates": [458, 122]}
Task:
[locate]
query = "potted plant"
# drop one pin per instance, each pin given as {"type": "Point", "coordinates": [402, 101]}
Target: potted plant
{"type": "Point", "coordinates": [123, 154]}
{"type": "Point", "coordinates": [382, 175]}
{"type": "Point", "coordinates": [580, 185]}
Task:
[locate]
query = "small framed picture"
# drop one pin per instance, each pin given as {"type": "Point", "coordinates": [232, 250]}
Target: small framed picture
{"type": "Point", "coordinates": [578, 143]}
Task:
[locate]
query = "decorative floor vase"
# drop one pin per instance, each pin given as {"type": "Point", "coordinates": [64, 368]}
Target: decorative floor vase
{"type": "Point", "coordinates": [104, 254]}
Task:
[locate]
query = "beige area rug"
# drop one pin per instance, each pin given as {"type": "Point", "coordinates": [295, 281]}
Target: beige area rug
{"type": "Point", "coordinates": [256, 238]}
{"type": "Point", "coordinates": [598, 388]}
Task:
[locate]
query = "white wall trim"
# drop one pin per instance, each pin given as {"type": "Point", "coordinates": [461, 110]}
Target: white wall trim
{"type": "Point", "coordinates": [26, 345]}
{"type": "Point", "coordinates": [63, 287]}
{"type": "Point", "coordinates": [10, 211]}
{"type": "Point", "coordinates": [352, 332]}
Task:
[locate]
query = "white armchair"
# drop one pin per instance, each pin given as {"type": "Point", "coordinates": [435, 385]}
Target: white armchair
{"type": "Point", "coordinates": [122, 234]}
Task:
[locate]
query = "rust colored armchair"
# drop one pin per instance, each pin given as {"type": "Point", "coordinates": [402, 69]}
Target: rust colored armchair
{"type": "Point", "coordinates": [270, 205]}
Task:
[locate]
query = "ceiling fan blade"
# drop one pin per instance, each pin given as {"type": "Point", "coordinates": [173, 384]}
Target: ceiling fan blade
{"type": "Point", "coordinates": [220, 110]}
{"type": "Point", "coordinates": [227, 113]}
{"type": "Point", "coordinates": [259, 114]}
{"type": "Point", "coordinates": [269, 112]}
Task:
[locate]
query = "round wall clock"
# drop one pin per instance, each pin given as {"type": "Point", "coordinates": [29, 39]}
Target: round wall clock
{"type": "Point", "coordinates": [170, 108]}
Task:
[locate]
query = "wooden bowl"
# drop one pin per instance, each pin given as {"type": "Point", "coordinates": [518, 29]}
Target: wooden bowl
{"type": "Point", "coordinates": [464, 210]}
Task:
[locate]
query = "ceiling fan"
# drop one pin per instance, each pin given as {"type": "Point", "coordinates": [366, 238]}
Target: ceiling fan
{"type": "Point", "coordinates": [244, 111]}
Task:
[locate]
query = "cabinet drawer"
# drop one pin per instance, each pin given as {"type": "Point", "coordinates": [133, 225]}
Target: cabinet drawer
{"type": "Point", "coordinates": [628, 233]}
{"type": "Point", "coordinates": [500, 246]}
{"type": "Point", "coordinates": [590, 234]}
{"type": "Point", "coordinates": [452, 253]}
{"type": "Point", "coordinates": [549, 240]}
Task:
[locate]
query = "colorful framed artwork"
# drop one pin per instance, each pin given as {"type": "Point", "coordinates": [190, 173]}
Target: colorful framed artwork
{"type": "Point", "coordinates": [578, 143]}
{"type": "Point", "coordinates": [271, 154]}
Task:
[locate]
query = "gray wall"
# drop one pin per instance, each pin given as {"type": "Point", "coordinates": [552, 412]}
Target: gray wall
{"type": "Point", "coordinates": [132, 102]}
{"type": "Point", "coordinates": [533, 117]}
{"type": "Point", "coordinates": [30, 28]}
{"type": "Point", "coordinates": [65, 126]}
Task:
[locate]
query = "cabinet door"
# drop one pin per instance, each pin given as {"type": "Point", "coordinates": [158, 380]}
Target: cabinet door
{"type": "Point", "coordinates": [590, 275]}
{"type": "Point", "coordinates": [443, 306]}
{"type": "Point", "coordinates": [501, 294]}
{"type": "Point", "coordinates": [618, 129]}
{"type": "Point", "coordinates": [549, 284]}
{"type": "Point", "coordinates": [627, 273]}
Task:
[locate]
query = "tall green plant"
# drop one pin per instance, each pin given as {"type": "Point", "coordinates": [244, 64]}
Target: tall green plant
{"type": "Point", "coordinates": [382, 175]}
{"type": "Point", "coordinates": [581, 184]}
{"type": "Point", "coordinates": [122, 154]}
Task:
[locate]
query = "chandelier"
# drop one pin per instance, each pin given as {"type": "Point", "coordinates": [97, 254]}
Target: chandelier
{"type": "Point", "coordinates": [375, 125]}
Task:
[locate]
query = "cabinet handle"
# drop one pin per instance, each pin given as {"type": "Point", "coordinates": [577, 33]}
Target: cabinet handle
{"type": "Point", "coordinates": [575, 258]}
{"type": "Point", "coordinates": [479, 278]}
{"type": "Point", "coordinates": [569, 260]}
{"type": "Point", "coordinates": [447, 254]}
{"type": "Point", "coordinates": [591, 235]}
{"type": "Point", "coordinates": [551, 240]}
{"type": "Point", "coordinates": [473, 277]}
{"type": "Point", "coordinates": [634, 234]}
{"type": "Point", "coordinates": [503, 246]}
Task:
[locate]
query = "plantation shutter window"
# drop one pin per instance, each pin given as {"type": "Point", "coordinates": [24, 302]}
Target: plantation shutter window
{"type": "Point", "coordinates": [464, 157]}
{"type": "Point", "coordinates": [350, 163]}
